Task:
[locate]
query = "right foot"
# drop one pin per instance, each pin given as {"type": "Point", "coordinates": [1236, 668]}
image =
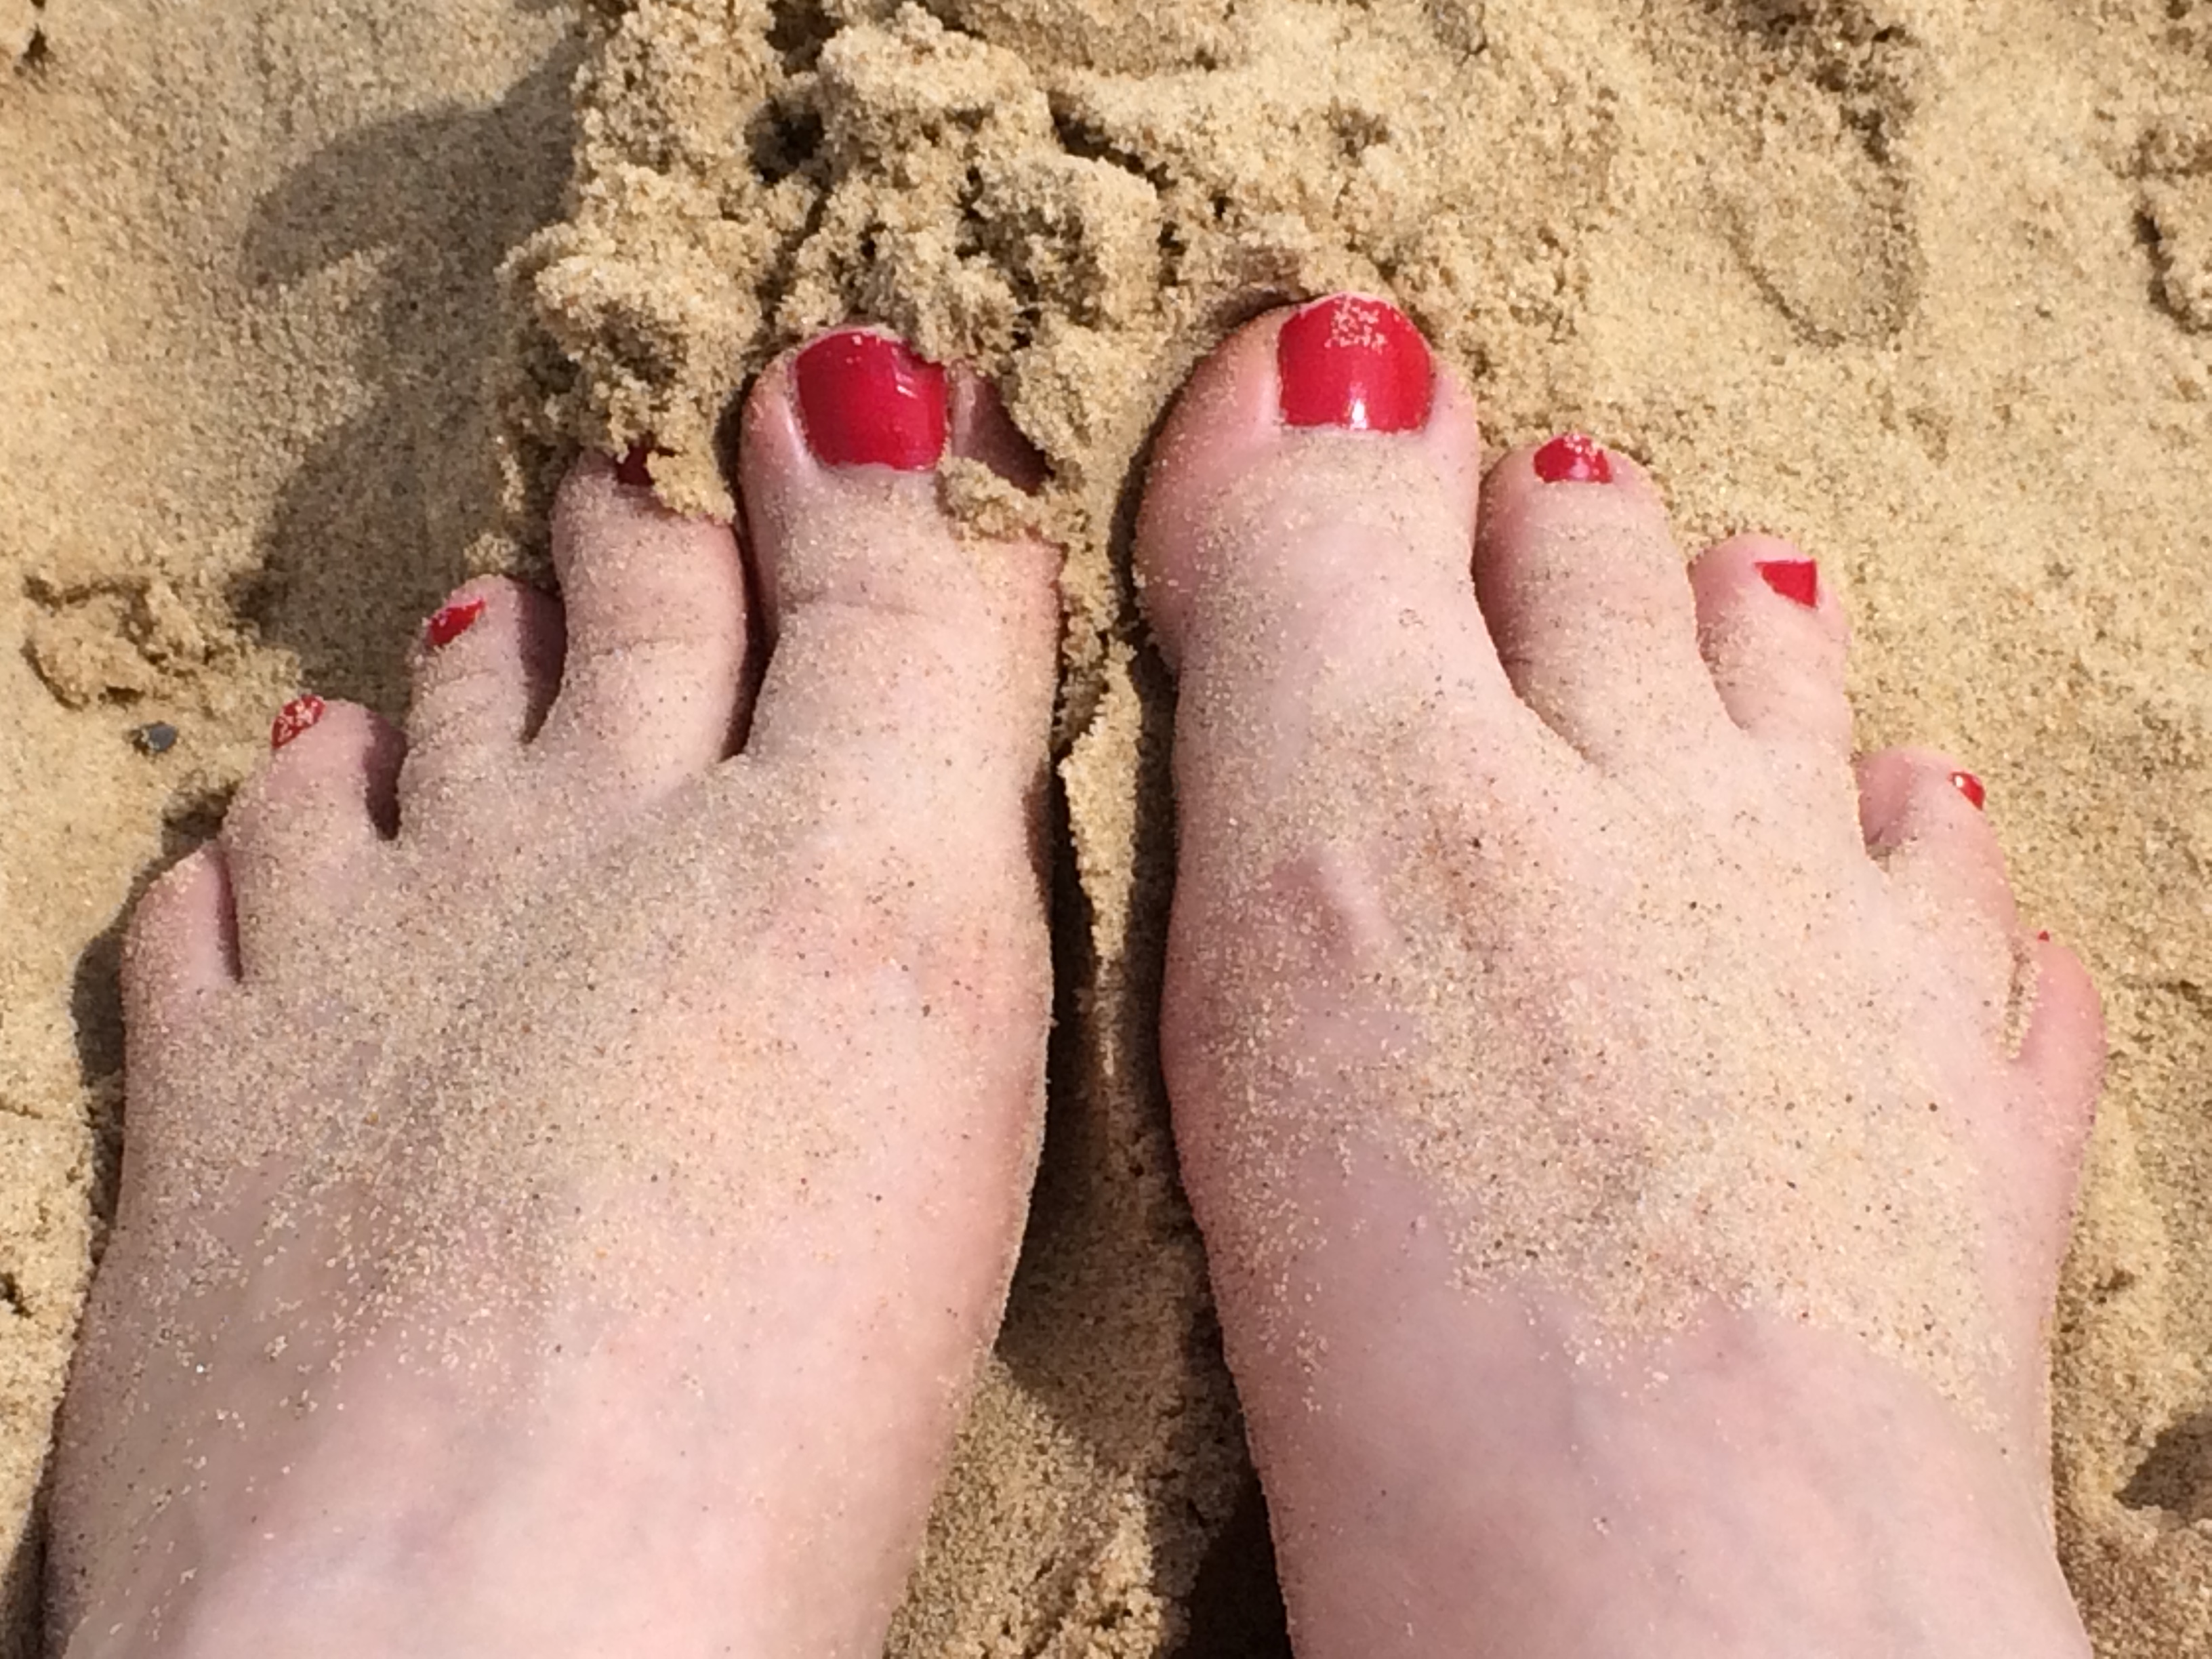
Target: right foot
{"type": "Point", "coordinates": [1634, 1151]}
{"type": "Point", "coordinates": [574, 1175]}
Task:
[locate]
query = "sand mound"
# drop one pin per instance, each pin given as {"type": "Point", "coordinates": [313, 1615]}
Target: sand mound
{"type": "Point", "coordinates": [1928, 288]}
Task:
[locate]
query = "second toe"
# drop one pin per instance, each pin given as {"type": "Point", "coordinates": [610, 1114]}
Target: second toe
{"type": "Point", "coordinates": [653, 676]}
{"type": "Point", "coordinates": [1586, 598]}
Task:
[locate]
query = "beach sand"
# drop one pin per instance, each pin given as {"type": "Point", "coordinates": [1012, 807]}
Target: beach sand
{"type": "Point", "coordinates": [301, 308]}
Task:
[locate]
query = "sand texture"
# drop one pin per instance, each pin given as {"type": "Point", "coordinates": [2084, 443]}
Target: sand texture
{"type": "Point", "coordinates": [302, 307]}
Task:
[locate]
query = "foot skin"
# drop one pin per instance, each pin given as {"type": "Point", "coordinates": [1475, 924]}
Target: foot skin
{"type": "Point", "coordinates": [573, 1171]}
{"type": "Point", "coordinates": [1634, 1147]}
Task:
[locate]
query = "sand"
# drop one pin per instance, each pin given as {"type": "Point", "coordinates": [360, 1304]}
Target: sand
{"type": "Point", "coordinates": [299, 308]}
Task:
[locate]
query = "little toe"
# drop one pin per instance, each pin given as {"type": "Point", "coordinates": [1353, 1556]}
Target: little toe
{"type": "Point", "coordinates": [302, 829]}
{"type": "Point", "coordinates": [1585, 596]}
{"type": "Point", "coordinates": [181, 945]}
{"type": "Point", "coordinates": [1304, 540]}
{"type": "Point", "coordinates": [1775, 640]}
{"type": "Point", "coordinates": [907, 652]}
{"type": "Point", "coordinates": [653, 676]}
{"type": "Point", "coordinates": [1921, 815]}
{"type": "Point", "coordinates": [485, 671]}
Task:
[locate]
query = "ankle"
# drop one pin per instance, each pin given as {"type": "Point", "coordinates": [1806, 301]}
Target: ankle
{"type": "Point", "coordinates": [1743, 1488]}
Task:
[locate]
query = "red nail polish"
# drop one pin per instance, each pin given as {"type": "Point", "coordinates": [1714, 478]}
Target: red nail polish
{"type": "Point", "coordinates": [866, 399]}
{"type": "Point", "coordinates": [451, 620]}
{"type": "Point", "coordinates": [295, 717]}
{"type": "Point", "coordinates": [1798, 580]}
{"type": "Point", "coordinates": [2044, 937]}
{"type": "Point", "coordinates": [1356, 362]}
{"type": "Point", "coordinates": [1573, 458]}
{"type": "Point", "coordinates": [635, 468]}
{"type": "Point", "coordinates": [1969, 786]}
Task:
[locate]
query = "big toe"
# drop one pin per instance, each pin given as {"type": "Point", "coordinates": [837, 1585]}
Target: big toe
{"type": "Point", "coordinates": [1304, 539]}
{"type": "Point", "coordinates": [912, 660]}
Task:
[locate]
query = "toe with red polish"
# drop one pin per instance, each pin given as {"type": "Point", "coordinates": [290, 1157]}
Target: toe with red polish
{"type": "Point", "coordinates": [451, 620]}
{"type": "Point", "coordinates": [1573, 458]}
{"type": "Point", "coordinates": [1796, 580]}
{"type": "Point", "coordinates": [297, 716]}
{"type": "Point", "coordinates": [1354, 363]}
{"type": "Point", "coordinates": [869, 399]}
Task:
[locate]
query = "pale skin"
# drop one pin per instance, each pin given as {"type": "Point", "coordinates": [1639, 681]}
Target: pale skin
{"type": "Point", "coordinates": [688, 1388]}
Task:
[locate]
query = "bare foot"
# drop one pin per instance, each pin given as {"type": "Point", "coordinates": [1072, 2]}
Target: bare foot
{"type": "Point", "coordinates": [1634, 1151]}
{"type": "Point", "coordinates": [573, 1173]}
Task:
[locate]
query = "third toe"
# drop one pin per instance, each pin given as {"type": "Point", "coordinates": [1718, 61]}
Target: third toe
{"type": "Point", "coordinates": [1774, 637]}
{"type": "Point", "coordinates": [1586, 597]}
{"type": "Point", "coordinates": [484, 670]}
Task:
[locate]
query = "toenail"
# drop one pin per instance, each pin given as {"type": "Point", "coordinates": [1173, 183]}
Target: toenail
{"type": "Point", "coordinates": [868, 399]}
{"type": "Point", "coordinates": [1969, 786]}
{"type": "Point", "coordinates": [2043, 936]}
{"type": "Point", "coordinates": [1356, 362]}
{"type": "Point", "coordinates": [635, 466]}
{"type": "Point", "coordinates": [451, 620]}
{"type": "Point", "coordinates": [1793, 579]}
{"type": "Point", "coordinates": [1574, 457]}
{"type": "Point", "coordinates": [295, 717]}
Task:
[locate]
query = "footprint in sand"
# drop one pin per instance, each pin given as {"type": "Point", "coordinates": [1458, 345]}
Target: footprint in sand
{"type": "Point", "coordinates": [1811, 188]}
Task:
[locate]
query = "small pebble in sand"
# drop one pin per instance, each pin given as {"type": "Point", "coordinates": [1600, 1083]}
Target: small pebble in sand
{"type": "Point", "coordinates": [155, 738]}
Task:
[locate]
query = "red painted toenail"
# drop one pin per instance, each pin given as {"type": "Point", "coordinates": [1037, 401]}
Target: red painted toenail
{"type": "Point", "coordinates": [450, 621]}
{"type": "Point", "coordinates": [1574, 457]}
{"type": "Point", "coordinates": [635, 467]}
{"type": "Point", "coordinates": [2044, 937]}
{"type": "Point", "coordinates": [1969, 786]}
{"type": "Point", "coordinates": [295, 717]}
{"type": "Point", "coordinates": [1356, 362]}
{"type": "Point", "coordinates": [866, 399]}
{"type": "Point", "coordinates": [1793, 579]}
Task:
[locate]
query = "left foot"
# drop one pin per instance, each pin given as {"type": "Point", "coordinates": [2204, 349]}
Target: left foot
{"type": "Point", "coordinates": [572, 1172]}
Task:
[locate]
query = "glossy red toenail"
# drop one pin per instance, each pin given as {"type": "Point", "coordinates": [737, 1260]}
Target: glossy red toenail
{"type": "Point", "coordinates": [635, 467]}
{"type": "Point", "coordinates": [868, 400]}
{"type": "Point", "coordinates": [1969, 786]}
{"type": "Point", "coordinates": [1356, 362]}
{"type": "Point", "coordinates": [1793, 579]}
{"type": "Point", "coordinates": [450, 621]}
{"type": "Point", "coordinates": [1573, 458]}
{"type": "Point", "coordinates": [295, 717]}
{"type": "Point", "coordinates": [2044, 937]}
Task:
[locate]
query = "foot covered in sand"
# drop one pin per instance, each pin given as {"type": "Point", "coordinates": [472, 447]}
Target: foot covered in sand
{"type": "Point", "coordinates": [573, 1170]}
{"type": "Point", "coordinates": [1634, 1144]}
{"type": "Point", "coordinates": [577, 1151]}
